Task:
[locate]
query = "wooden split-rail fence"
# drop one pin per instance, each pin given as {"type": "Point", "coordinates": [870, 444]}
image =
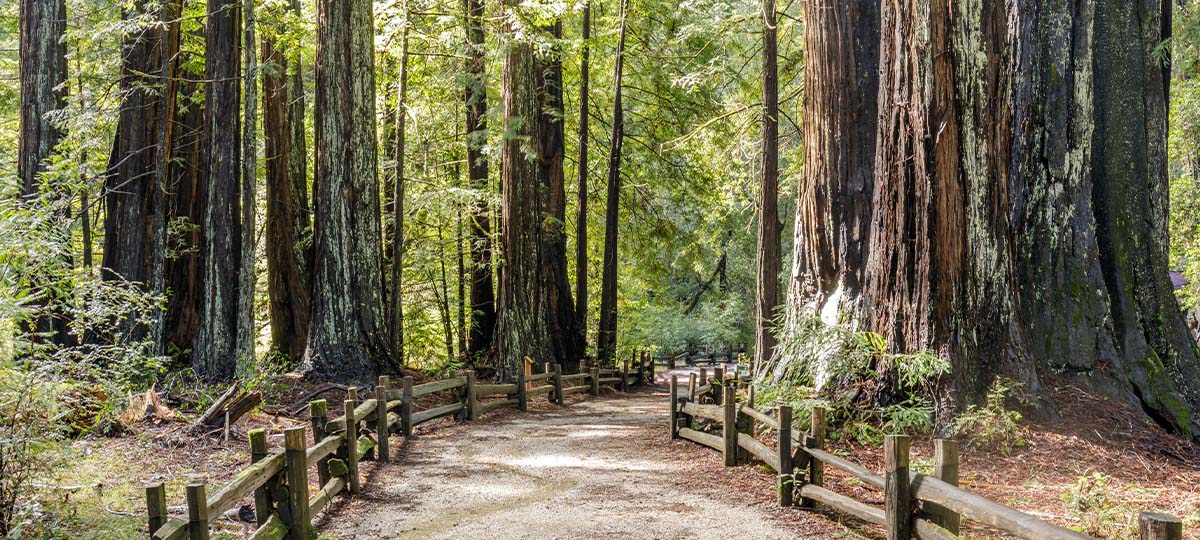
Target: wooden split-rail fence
{"type": "Point", "coordinates": [693, 358]}
{"type": "Point", "coordinates": [278, 480]}
{"type": "Point", "coordinates": [927, 507]}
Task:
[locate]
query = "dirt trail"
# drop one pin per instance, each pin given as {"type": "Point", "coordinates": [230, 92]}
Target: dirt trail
{"type": "Point", "coordinates": [599, 468]}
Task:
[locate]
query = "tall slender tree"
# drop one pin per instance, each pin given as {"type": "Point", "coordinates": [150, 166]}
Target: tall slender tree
{"type": "Point", "coordinates": [399, 186]}
{"type": "Point", "coordinates": [216, 350]}
{"type": "Point", "coordinates": [483, 304]}
{"type": "Point", "coordinates": [347, 333]}
{"type": "Point", "coordinates": [564, 334]}
{"type": "Point", "coordinates": [246, 279]}
{"type": "Point", "coordinates": [43, 77]}
{"type": "Point", "coordinates": [768, 256]}
{"type": "Point", "coordinates": [581, 193]}
{"type": "Point", "coordinates": [606, 346]}
{"type": "Point", "coordinates": [289, 257]}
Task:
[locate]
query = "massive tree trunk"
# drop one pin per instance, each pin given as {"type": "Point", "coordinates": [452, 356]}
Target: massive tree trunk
{"type": "Point", "coordinates": [288, 252]}
{"type": "Point", "coordinates": [1019, 217]}
{"type": "Point", "coordinates": [521, 328]}
{"type": "Point", "coordinates": [483, 300]}
{"type": "Point", "coordinates": [766, 297]}
{"type": "Point", "coordinates": [606, 342]}
{"type": "Point", "coordinates": [347, 338]}
{"type": "Point", "coordinates": [581, 195]}
{"type": "Point", "coordinates": [565, 337]}
{"type": "Point", "coordinates": [215, 354]}
{"type": "Point", "coordinates": [133, 197]}
{"type": "Point", "coordinates": [43, 75]}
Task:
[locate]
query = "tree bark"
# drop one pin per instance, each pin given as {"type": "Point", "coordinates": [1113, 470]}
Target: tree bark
{"type": "Point", "coordinates": [483, 300]}
{"type": "Point", "coordinates": [581, 221]}
{"type": "Point", "coordinates": [43, 77]}
{"type": "Point", "coordinates": [215, 354]}
{"type": "Point", "coordinates": [288, 251]}
{"type": "Point", "coordinates": [1019, 218]}
{"type": "Point", "coordinates": [521, 328]}
{"type": "Point", "coordinates": [606, 346]}
{"type": "Point", "coordinates": [186, 187]}
{"type": "Point", "coordinates": [133, 197]}
{"type": "Point", "coordinates": [246, 278]}
{"type": "Point", "coordinates": [564, 334]}
{"type": "Point", "coordinates": [398, 234]}
{"type": "Point", "coordinates": [347, 333]}
{"type": "Point", "coordinates": [768, 257]}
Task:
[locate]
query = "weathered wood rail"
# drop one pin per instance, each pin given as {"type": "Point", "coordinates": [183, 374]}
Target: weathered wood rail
{"type": "Point", "coordinates": [926, 507]}
{"type": "Point", "coordinates": [278, 480]}
{"type": "Point", "coordinates": [693, 358]}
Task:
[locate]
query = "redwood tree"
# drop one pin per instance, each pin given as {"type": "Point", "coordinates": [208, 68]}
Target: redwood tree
{"type": "Point", "coordinates": [483, 304]}
{"type": "Point", "coordinates": [768, 257]}
{"type": "Point", "coordinates": [1018, 223]}
{"type": "Point", "coordinates": [43, 74]}
{"type": "Point", "coordinates": [347, 337]}
{"type": "Point", "coordinates": [521, 325]}
{"type": "Point", "coordinates": [216, 351]}
{"type": "Point", "coordinates": [287, 226]}
{"type": "Point", "coordinates": [581, 193]}
{"type": "Point", "coordinates": [606, 346]}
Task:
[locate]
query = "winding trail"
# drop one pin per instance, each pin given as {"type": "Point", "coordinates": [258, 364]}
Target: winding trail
{"type": "Point", "coordinates": [598, 468]}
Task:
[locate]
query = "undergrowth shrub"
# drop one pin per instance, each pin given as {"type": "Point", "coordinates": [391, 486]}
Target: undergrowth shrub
{"type": "Point", "coordinates": [814, 354]}
{"type": "Point", "coordinates": [992, 425]}
{"type": "Point", "coordinates": [1099, 509]}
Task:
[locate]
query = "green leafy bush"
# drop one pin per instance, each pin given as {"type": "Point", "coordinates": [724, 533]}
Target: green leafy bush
{"type": "Point", "coordinates": [992, 425]}
{"type": "Point", "coordinates": [1098, 508]}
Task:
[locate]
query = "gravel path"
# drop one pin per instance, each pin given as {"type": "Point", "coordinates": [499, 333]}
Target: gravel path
{"type": "Point", "coordinates": [599, 468]}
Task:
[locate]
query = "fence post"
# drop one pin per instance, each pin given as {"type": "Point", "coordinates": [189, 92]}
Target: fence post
{"type": "Point", "coordinates": [745, 424]}
{"type": "Point", "coordinates": [156, 506]}
{"type": "Point", "coordinates": [692, 387]}
{"type": "Point", "coordinates": [650, 366]}
{"type": "Point", "coordinates": [785, 485]}
{"type": "Point", "coordinates": [197, 507]}
{"type": "Point", "coordinates": [625, 377]}
{"type": "Point", "coordinates": [1156, 526]}
{"type": "Point", "coordinates": [718, 385]}
{"type": "Point", "coordinates": [898, 499]}
{"type": "Point", "coordinates": [674, 406]}
{"type": "Point", "coordinates": [382, 430]}
{"type": "Point", "coordinates": [729, 427]}
{"type": "Point", "coordinates": [522, 392]}
{"type": "Point", "coordinates": [945, 468]}
{"type": "Point", "coordinates": [703, 376]}
{"type": "Point", "coordinates": [296, 466]}
{"type": "Point", "coordinates": [318, 413]}
{"type": "Point", "coordinates": [558, 386]}
{"type": "Point", "coordinates": [406, 406]}
{"type": "Point", "coordinates": [351, 445]}
{"type": "Point", "coordinates": [262, 495]}
{"type": "Point", "coordinates": [472, 405]}
{"type": "Point", "coordinates": [816, 439]}
{"type": "Point", "coordinates": [595, 376]}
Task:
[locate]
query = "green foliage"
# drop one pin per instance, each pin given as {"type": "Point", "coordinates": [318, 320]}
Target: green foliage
{"type": "Point", "coordinates": [992, 425]}
{"type": "Point", "coordinates": [1099, 509]}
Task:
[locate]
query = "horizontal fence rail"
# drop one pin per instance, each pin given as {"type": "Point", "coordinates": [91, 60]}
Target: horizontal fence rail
{"type": "Point", "coordinates": [278, 480]}
{"type": "Point", "coordinates": [926, 507]}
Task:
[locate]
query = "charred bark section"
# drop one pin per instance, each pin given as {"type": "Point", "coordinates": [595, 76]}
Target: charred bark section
{"type": "Point", "coordinates": [1129, 172]}
{"type": "Point", "coordinates": [287, 226]}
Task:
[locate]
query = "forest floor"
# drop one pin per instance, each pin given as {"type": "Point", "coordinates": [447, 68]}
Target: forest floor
{"type": "Point", "coordinates": [606, 468]}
